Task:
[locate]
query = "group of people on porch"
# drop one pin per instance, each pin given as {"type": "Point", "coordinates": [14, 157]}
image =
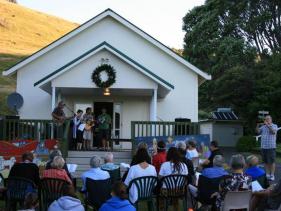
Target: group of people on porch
{"type": "Point", "coordinates": [87, 130]}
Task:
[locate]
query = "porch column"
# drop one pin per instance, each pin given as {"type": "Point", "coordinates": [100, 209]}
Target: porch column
{"type": "Point", "coordinates": [153, 106]}
{"type": "Point", "coordinates": [53, 107]}
{"type": "Point", "coordinates": [53, 98]}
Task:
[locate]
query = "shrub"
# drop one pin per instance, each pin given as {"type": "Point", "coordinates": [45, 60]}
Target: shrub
{"type": "Point", "coordinates": [246, 144]}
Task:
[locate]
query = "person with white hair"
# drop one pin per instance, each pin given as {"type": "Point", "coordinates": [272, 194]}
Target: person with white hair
{"type": "Point", "coordinates": [253, 170]}
{"type": "Point", "coordinates": [108, 162]}
{"type": "Point", "coordinates": [217, 170]}
{"type": "Point", "coordinates": [52, 155]}
{"type": "Point", "coordinates": [95, 173]}
{"type": "Point", "coordinates": [56, 171]}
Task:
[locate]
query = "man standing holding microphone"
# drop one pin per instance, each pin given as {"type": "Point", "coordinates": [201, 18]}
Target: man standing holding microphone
{"type": "Point", "coordinates": [268, 132]}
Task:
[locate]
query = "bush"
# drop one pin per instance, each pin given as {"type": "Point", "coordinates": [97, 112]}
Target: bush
{"type": "Point", "coordinates": [246, 144]}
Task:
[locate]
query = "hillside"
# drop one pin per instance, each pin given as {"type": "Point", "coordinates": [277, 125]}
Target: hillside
{"type": "Point", "coordinates": [22, 32]}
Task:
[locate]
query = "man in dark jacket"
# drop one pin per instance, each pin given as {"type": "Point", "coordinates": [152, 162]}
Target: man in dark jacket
{"type": "Point", "coordinates": [26, 169]}
{"type": "Point", "coordinates": [215, 150]}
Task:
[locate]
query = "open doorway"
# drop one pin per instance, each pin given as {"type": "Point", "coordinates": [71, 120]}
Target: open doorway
{"type": "Point", "coordinates": [98, 106]}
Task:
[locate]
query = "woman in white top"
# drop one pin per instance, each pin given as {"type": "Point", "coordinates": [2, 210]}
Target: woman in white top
{"type": "Point", "coordinates": [173, 165]}
{"type": "Point", "coordinates": [141, 169]}
{"type": "Point", "coordinates": [191, 150]}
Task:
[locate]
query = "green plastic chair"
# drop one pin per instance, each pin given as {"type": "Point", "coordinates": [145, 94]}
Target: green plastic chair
{"type": "Point", "coordinates": [145, 188]}
{"type": "Point", "coordinates": [51, 190]}
{"type": "Point", "coordinates": [17, 188]}
{"type": "Point", "coordinates": [175, 188]}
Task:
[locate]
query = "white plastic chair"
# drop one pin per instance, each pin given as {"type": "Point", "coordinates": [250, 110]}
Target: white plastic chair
{"type": "Point", "coordinates": [237, 200]}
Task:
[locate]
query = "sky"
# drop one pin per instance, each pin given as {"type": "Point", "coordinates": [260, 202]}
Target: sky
{"type": "Point", "coordinates": [162, 19]}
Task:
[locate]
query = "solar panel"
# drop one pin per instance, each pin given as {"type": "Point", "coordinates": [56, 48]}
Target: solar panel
{"type": "Point", "coordinates": [224, 115]}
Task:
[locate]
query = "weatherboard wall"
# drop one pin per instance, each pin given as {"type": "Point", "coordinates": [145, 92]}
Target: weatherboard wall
{"type": "Point", "coordinates": [180, 102]}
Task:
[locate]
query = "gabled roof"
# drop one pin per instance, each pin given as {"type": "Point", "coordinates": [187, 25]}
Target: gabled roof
{"type": "Point", "coordinates": [94, 20]}
{"type": "Point", "coordinates": [115, 51]}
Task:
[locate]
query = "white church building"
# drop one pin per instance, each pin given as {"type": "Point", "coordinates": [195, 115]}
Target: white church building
{"type": "Point", "coordinates": [153, 83]}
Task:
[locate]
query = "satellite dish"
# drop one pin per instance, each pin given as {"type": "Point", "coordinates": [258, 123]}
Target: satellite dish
{"type": "Point", "coordinates": [15, 101]}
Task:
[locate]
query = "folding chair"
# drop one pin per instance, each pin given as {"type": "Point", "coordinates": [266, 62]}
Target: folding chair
{"type": "Point", "coordinates": [114, 175]}
{"type": "Point", "coordinates": [97, 192]}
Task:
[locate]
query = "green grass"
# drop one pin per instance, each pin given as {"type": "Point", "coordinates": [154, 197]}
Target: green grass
{"type": "Point", "coordinates": [7, 84]}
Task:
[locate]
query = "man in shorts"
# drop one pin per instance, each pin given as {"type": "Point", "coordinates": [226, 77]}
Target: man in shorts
{"type": "Point", "coordinates": [104, 121]}
{"type": "Point", "coordinates": [268, 132]}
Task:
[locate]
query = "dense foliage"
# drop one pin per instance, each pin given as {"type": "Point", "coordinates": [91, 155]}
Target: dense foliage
{"type": "Point", "coordinates": [246, 144]}
{"type": "Point", "coordinates": [239, 43]}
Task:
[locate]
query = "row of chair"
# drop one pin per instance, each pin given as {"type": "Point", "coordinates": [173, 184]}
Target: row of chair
{"type": "Point", "coordinates": [148, 188]}
{"type": "Point", "coordinates": [48, 191]}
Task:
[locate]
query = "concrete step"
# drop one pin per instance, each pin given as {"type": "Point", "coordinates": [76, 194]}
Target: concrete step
{"type": "Point", "coordinates": [86, 160]}
{"type": "Point", "coordinates": [82, 159]}
{"type": "Point", "coordinates": [84, 154]}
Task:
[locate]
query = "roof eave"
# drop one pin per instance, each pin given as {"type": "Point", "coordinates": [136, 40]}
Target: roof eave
{"type": "Point", "coordinates": [107, 12]}
{"type": "Point", "coordinates": [113, 50]}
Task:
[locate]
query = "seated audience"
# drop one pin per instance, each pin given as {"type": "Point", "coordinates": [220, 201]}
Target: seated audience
{"type": "Point", "coordinates": [237, 180]}
{"type": "Point", "coordinates": [269, 198]}
{"type": "Point", "coordinates": [119, 201]}
{"type": "Point", "coordinates": [215, 150]}
{"type": "Point", "coordinates": [31, 202]}
{"type": "Point", "coordinates": [217, 170]}
{"type": "Point", "coordinates": [95, 172]}
{"type": "Point", "coordinates": [160, 156]}
{"type": "Point", "coordinates": [182, 150]}
{"type": "Point", "coordinates": [54, 153]}
{"type": "Point", "coordinates": [191, 150]}
{"type": "Point", "coordinates": [253, 170]}
{"type": "Point", "coordinates": [69, 201]}
{"type": "Point", "coordinates": [26, 169]}
{"type": "Point", "coordinates": [174, 164]}
{"type": "Point", "coordinates": [141, 169]}
{"type": "Point", "coordinates": [56, 171]}
{"type": "Point", "coordinates": [108, 162]}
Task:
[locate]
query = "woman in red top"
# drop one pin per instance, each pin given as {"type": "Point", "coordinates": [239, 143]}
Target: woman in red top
{"type": "Point", "coordinates": [160, 156]}
{"type": "Point", "coordinates": [56, 171]}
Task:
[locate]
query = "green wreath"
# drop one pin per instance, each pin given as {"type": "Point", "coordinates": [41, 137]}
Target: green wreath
{"type": "Point", "coordinates": [111, 74]}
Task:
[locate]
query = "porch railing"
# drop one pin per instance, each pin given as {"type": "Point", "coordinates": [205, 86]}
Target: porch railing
{"type": "Point", "coordinates": [152, 129]}
{"type": "Point", "coordinates": [22, 129]}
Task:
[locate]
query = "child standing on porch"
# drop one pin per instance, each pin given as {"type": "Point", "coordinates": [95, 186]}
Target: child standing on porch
{"type": "Point", "coordinates": [88, 135]}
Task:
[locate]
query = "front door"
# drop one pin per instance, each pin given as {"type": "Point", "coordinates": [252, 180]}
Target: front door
{"type": "Point", "coordinates": [114, 110]}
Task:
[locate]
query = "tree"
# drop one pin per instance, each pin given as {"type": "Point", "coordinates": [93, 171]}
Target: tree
{"type": "Point", "coordinates": [238, 42]}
